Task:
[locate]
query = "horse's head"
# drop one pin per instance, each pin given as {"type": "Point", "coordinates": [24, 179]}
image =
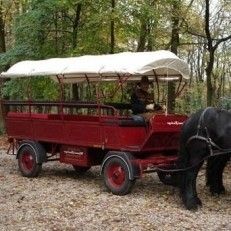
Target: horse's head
{"type": "Point", "coordinates": [222, 127]}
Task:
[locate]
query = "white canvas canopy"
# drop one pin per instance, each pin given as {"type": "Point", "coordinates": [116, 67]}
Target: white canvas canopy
{"type": "Point", "coordinates": [161, 64]}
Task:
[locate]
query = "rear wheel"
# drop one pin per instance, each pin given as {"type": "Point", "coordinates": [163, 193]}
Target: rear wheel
{"type": "Point", "coordinates": [27, 161]}
{"type": "Point", "coordinates": [116, 176]}
{"type": "Point", "coordinates": [80, 169]}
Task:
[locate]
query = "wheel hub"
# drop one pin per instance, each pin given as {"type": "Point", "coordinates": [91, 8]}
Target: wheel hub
{"type": "Point", "coordinates": [116, 175]}
{"type": "Point", "coordinates": [27, 161]}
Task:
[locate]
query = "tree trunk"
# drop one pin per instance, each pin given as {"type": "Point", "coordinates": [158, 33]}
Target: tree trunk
{"type": "Point", "coordinates": [209, 70]}
{"type": "Point", "coordinates": [63, 26]}
{"type": "Point", "coordinates": [75, 87]}
{"type": "Point", "coordinates": [76, 25]}
{"type": "Point", "coordinates": [112, 47]}
{"type": "Point", "coordinates": [209, 67]}
{"type": "Point", "coordinates": [143, 35]}
{"type": "Point", "coordinates": [150, 38]}
{"type": "Point", "coordinates": [2, 50]}
{"type": "Point", "coordinates": [174, 49]}
{"type": "Point", "coordinates": [2, 32]}
{"type": "Point", "coordinates": [211, 49]}
{"type": "Point", "coordinates": [75, 92]}
{"type": "Point", "coordinates": [56, 32]}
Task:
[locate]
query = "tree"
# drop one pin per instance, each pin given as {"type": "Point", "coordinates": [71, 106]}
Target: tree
{"type": "Point", "coordinates": [174, 48]}
{"type": "Point", "coordinates": [212, 45]}
{"type": "Point", "coordinates": [42, 29]}
{"type": "Point", "coordinates": [112, 27]}
{"type": "Point", "coordinates": [76, 24]}
{"type": "Point", "coordinates": [2, 31]}
{"type": "Point", "coordinates": [148, 20]}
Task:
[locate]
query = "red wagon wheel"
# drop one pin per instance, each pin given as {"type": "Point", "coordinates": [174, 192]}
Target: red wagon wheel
{"type": "Point", "coordinates": [116, 176]}
{"type": "Point", "coordinates": [27, 162]}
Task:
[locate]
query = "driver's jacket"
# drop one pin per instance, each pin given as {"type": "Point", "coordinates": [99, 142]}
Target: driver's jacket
{"type": "Point", "coordinates": [139, 100]}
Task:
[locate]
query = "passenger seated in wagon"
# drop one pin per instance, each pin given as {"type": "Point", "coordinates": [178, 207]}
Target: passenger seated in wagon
{"type": "Point", "coordinates": [142, 101]}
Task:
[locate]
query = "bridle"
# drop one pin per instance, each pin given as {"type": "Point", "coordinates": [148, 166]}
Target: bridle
{"type": "Point", "coordinates": [214, 149]}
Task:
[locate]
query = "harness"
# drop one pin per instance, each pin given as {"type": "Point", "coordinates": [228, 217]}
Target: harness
{"type": "Point", "coordinates": [214, 149]}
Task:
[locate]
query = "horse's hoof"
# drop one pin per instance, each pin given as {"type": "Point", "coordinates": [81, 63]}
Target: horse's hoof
{"type": "Point", "coordinates": [192, 204]}
{"type": "Point", "coordinates": [192, 207]}
{"type": "Point", "coordinates": [198, 200]}
{"type": "Point", "coordinates": [217, 190]}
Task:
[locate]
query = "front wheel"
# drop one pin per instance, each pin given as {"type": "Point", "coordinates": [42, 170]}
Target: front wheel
{"type": "Point", "coordinates": [27, 162]}
{"type": "Point", "coordinates": [116, 176]}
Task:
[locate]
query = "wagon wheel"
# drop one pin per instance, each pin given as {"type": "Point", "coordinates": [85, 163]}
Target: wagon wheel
{"type": "Point", "coordinates": [116, 176]}
{"type": "Point", "coordinates": [27, 162]}
{"type": "Point", "coordinates": [80, 169]}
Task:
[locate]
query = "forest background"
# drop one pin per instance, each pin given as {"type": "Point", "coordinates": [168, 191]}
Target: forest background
{"type": "Point", "coordinates": [198, 31]}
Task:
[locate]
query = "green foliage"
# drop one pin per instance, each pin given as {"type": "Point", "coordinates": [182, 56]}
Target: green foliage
{"type": "Point", "coordinates": [32, 88]}
{"type": "Point", "coordinates": [32, 29]}
{"type": "Point", "coordinates": [114, 92]}
{"type": "Point", "coordinates": [41, 29]}
{"type": "Point", "coordinates": [225, 103]}
{"type": "Point", "coordinates": [191, 99]}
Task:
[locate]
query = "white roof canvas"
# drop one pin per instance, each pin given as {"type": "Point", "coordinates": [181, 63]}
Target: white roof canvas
{"type": "Point", "coordinates": [158, 63]}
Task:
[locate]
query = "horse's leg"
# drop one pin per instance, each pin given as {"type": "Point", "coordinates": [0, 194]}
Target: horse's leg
{"type": "Point", "coordinates": [188, 178]}
{"type": "Point", "coordinates": [215, 168]}
{"type": "Point", "coordinates": [188, 189]}
{"type": "Point", "coordinates": [214, 174]}
{"type": "Point", "coordinates": [210, 170]}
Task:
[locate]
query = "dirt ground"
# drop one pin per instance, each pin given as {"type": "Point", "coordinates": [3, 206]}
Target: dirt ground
{"type": "Point", "coordinates": [59, 199]}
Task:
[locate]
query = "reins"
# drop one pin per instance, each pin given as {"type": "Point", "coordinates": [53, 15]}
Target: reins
{"type": "Point", "coordinates": [187, 168]}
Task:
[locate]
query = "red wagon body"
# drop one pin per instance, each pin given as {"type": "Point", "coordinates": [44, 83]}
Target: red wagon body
{"type": "Point", "coordinates": [125, 148]}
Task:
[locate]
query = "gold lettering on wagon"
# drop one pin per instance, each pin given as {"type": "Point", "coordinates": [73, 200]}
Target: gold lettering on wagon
{"type": "Point", "coordinates": [174, 123]}
{"type": "Point", "coordinates": [74, 153]}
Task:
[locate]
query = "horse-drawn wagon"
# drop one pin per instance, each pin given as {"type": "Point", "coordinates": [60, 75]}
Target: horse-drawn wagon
{"type": "Point", "coordinates": [86, 134]}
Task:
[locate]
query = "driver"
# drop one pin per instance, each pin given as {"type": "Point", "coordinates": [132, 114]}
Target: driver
{"type": "Point", "coordinates": [141, 100]}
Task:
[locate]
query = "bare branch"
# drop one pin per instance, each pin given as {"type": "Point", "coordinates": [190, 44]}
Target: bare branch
{"type": "Point", "coordinates": [219, 41]}
{"type": "Point", "coordinates": [192, 43]}
{"type": "Point", "coordinates": [196, 34]}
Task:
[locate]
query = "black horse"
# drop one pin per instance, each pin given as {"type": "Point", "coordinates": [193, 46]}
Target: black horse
{"type": "Point", "coordinates": [206, 134]}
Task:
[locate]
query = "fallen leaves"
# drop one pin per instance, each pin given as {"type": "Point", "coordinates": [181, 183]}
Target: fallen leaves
{"type": "Point", "coordinates": [60, 200]}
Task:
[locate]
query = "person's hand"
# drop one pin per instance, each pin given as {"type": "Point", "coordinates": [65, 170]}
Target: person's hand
{"type": "Point", "coordinates": [164, 108]}
{"type": "Point", "coordinates": [150, 106]}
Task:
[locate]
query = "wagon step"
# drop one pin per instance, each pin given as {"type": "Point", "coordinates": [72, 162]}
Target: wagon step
{"type": "Point", "coordinates": [151, 163]}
